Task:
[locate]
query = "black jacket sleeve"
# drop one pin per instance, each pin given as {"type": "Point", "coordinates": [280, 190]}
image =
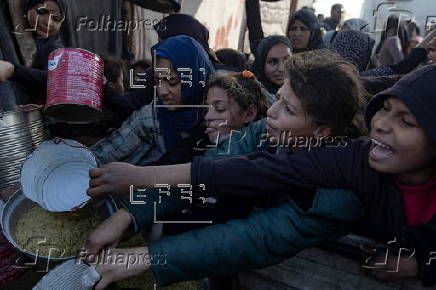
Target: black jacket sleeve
{"type": "Point", "coordinates": [417, 56]}
{"type": "Point", "coordinates": [125, 104]}
{"type": "Point", "coordinates": [254, 23]}
{"type": "Point", "coordinates": [261, 173]}
{"type": "Point", "coordinates": [32, 77]}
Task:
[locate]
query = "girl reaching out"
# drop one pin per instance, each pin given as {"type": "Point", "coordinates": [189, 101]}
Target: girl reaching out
{"type": "Point", "coordinates": [393, 173]}
{"type": "Point", "coordinates": [302, 113]}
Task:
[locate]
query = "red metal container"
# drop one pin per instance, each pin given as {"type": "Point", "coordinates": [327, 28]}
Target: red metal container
{"type": "Point", "coordinates": [75, 86]}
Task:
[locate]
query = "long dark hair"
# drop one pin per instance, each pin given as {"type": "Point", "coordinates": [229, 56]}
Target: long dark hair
{"type": "Point", "coordinates": [328, 88]}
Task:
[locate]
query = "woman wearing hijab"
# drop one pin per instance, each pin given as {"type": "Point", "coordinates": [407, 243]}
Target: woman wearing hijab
{"type": "Point", "coordinates": [170, 26]}
{"type": "Point", "coordinates": [183, 24]}
{"type": "Point", "coordinates": [304, 31]}
{"type": "Point", "coordinates": [269, 63]}
{"type": "Point", "coordinates": [45, 17]}
{"type": "Point", "coordinates": [354, 46]}
{"type": "Point", "coordinates": [154, 129]}
{"type": "Point", "coordinates": [393, 43]}
{"type": "Point", "coordinates": [355, 24]}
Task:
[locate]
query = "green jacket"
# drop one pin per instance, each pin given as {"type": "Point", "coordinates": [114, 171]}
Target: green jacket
{"type": "Point", "coordinates": [251, 138]}
{"type": "Point", "coordinates": [264, 238]}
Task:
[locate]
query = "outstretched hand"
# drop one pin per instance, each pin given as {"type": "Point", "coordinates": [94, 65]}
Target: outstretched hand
{"type": "Point", "coordinates": [108, 234]}
{"type": "Point", "coordinates": [6, 70]}
{"type": "Point", "coordinates": [115, 178]}
{"type": "Point", "coordinates": [135, 261]}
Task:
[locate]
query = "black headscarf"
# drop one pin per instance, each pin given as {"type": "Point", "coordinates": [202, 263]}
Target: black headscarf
{"type": "Point", "coordinates": [260, 59]}
{"type": "Point", "coordinates": [184, 24]}
{"type": "Point", "coordinates": [310, 20]}
{"type": "Point", "coordinates": [44, 46]}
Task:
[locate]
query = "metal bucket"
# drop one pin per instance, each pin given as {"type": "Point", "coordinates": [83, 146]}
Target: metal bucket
{"type": "Point", "coordinates": [56, 175]}
{"type": "Point", "coordinates": [19, 204]}
{"type": "Point", "coordinates": [20, 133]}
{"type": "Point", "coordinates": [75, 86]}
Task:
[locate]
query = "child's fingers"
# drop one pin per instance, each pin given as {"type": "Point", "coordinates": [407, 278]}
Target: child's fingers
{"type": "Point", "coordinates": [96, 172]}
{"type": "Point", "coordinates": [97, 191]}
{"type": "Point", "coordinates": [94, 182]}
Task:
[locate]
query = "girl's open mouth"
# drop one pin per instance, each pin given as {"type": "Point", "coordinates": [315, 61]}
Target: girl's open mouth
{"type": "Point", "coordinates": [210, 130]}
{"type": "Point", "coordinates": [380, 151]}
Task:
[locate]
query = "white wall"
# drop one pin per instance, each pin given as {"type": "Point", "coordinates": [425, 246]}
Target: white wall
{"type": "Point", "coordinates": [419, 9]}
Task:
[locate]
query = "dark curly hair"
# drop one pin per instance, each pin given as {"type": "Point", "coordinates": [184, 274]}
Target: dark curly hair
{"type": "Point", "coordinates": [244, 90]}
{"type": "Point", "coordinates": [329, 89]}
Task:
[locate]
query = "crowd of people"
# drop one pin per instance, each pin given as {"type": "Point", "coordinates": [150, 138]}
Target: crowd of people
{"type": "Point", "coordinates": [322, 134]}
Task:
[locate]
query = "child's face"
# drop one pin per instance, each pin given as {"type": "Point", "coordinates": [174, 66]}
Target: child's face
{"type": "Point", "coordinates": [169, 91]}
{"type": "Point", "coordinates": [45, 18]}
{"type": "Point", "coordinates": [400, 145]}
{"type": "Point", "coordinates": [275, 63]}
{"type": "Point", "coordinates": [431, 47]}
{"type": "Point", "coordinates": [224, 115]}
{"type": "Point", "coordinates": [287, 118]}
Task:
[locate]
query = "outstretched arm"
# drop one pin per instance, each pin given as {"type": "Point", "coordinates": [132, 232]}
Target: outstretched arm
{"type": "Point", "coordinates": [253, 174]}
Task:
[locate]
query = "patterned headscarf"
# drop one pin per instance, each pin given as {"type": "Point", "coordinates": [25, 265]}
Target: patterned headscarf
{"type": "Point", "coordinates": [354, 46]}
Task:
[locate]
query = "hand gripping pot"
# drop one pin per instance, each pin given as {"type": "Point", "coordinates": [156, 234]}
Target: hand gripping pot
{"type": "Point", "coordinates": [56, 175]}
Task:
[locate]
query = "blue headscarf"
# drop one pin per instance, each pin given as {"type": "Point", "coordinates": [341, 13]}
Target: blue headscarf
{"type": "Point", "coordinates": [184, 52]}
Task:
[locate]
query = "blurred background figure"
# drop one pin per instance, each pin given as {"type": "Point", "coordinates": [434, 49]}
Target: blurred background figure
{"type": "Point", "coordinates": [230, 60]}
{"type": "Point", "coordinates": [304, 31]}
{"type": "Point", "coordinates": [356, 24]}
{"type": "Point", "coordinates": [394, 42]}
{"type": "Point", "coordinates": [431, 48]}
{"type": "Point", "coordinates": [320, 18]}
{"type": "Point", "coordinates": [354, 46]}
{"type": "Point", "coordinates": [336, 13]}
